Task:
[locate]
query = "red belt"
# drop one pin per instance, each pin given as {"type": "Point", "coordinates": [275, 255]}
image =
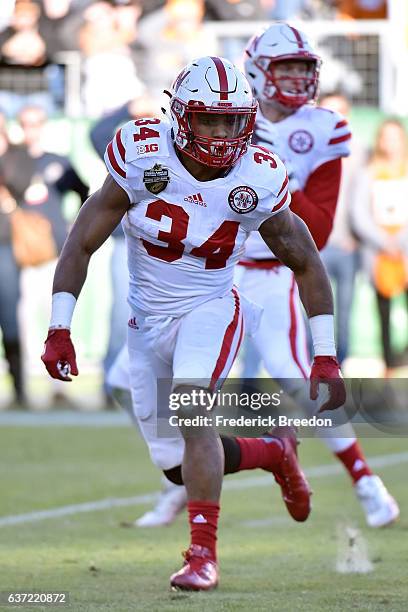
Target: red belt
{"type": "Point", "coordinates": [260, 264]}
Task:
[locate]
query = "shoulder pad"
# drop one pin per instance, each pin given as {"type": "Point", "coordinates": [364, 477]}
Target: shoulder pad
{"type": "Point", "coordinates": [263, 170]}
{"type": "Point", "coordinates": [266, 176]}
{"type": "Point", "coordinates": [132, 143]}
{"type": "Point", "coordinates": [144, 138]}
{"type": "Point", "coordinates": [336, 133]}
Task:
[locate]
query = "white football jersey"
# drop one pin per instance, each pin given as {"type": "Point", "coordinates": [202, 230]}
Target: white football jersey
{"type": "Point", "coordinates": [304, 141]}
{"type": "Point", "coordinates": [184, 236]}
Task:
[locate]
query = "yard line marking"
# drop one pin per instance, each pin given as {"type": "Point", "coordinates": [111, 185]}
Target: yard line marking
{"type": "Point", "coordinates": [318, 471]}
{"type": "Point", "coordinates": [63, 418]}
{"type": "Point", "coordinates": [103, 504]}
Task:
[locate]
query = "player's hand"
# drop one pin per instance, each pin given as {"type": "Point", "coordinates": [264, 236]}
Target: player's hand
{"type": "Point", "coordinates": [326, 370]}
{"type": "Point", "coordinates": [59, 354]}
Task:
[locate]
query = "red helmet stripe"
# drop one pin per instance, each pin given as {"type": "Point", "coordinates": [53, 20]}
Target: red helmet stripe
{"type": "Point", "coordinates": [298, 37]}
{"type": "Point", "coordinates": [222, 75]}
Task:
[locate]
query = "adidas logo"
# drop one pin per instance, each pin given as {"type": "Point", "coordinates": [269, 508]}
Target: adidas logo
{"type": "Point", "coordinates": [199, 518]}
{"type": "Point", "coordinates": [358, 465]}
{"type": "Point", "coordinates": [197, 198]}
{"type": "Point", "coordinates": [132, 323]}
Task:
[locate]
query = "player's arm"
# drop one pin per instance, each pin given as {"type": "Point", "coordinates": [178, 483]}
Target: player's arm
{"type": "Point", "coordinates": [290, 240]}
{"type": "Point", "coordinates": [316, 203]}
{"type": "Point", "coordinates": [96, 220]}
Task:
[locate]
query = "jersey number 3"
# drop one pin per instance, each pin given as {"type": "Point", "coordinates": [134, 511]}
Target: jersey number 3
{"type": "Point", "coordinates": [216, 250]}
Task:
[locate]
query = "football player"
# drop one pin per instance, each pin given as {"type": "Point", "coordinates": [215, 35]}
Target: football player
{"type": "Point", "coordinates": [283, 69]}
{"type": "Point", "coordinates": [189, 192]}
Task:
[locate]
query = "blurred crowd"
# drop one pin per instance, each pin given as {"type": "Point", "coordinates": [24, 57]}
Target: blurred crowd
{"type": "Point", "coordinates": [129, 50]}
{"type": "Point", "coordinates": [116, 43]}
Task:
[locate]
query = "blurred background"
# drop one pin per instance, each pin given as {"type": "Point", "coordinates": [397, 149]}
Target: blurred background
{"type": "Point", "coordinates": [71, 71]}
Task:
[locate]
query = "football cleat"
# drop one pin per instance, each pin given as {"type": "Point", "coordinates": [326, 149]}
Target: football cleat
{"type": "Point", "coordinates": [171, 502]}
{"type": "Point", "coordinates": [379, 506]}
{"type": "Point", "coordinates": [199, 572]}
{"type": "Point", "coordinates": [296, 491]}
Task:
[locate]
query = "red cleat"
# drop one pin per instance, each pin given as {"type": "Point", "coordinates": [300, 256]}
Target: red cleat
{"type": "Point", "coordinates": [199, 572]}
{"type": "Point", "coordinates": [296, 491]}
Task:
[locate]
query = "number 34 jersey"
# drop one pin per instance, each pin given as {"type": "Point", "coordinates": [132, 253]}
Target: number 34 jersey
{"type": "Point", "coordinates": [184, 236]}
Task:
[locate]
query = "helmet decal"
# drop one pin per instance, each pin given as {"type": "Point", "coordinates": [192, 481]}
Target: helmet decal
{"type": "Point", "coordinates": [298, 37]}
{"type": "Point", "coordinates": [222, 74]}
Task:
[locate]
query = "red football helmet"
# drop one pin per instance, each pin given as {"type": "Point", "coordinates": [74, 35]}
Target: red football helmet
{"type": "Point", "coordinates": [211, 89]}
{"type": "Point", "coordinates": [280, 43]}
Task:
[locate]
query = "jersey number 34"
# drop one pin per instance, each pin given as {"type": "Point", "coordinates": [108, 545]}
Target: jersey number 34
{"type": "Point", "coordinates": [215, 250]}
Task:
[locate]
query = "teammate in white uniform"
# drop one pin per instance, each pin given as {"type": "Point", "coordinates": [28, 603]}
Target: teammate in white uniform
{"type": "Point", "coordinates": [283, 69]}
{"type": "Point", "coordinates": [173, 497]}
{"type": "Point", "coordinates": [189, 193]}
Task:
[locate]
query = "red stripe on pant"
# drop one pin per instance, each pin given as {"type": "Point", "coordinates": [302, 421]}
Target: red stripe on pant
{"type": "Point", "coordinates": [227, 343]}
{"type": "Point", "coordinates": [293, 328]}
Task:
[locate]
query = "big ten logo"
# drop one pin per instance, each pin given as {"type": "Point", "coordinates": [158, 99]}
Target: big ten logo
{"type": "Point", "coordinates": [147, 148]}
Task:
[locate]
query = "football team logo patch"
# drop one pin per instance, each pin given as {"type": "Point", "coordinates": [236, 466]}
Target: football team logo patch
{"type": "Point", "coordinates": [156, 179]}
{"type": "Point", "coordinates": [243, 199]}
{"type": "Point", "coordinates": [301, 141]}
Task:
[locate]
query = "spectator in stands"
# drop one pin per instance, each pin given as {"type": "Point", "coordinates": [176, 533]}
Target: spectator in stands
{"type": "Point", "coordinates": [37, 181]}
{"type": "Point", "coordinates": [178, 26]}
{"type": "Point", "coordinates": [23, 58]}
{"type": "Point", "coordinates": [380, 220]}
{"type": "Point", "coordinates": [9, 285]}
{"type": "Point", "coordinates": [6, 13]}
{"type": "Point", "coordinates": [235, 9]}
{"type": "Point", "coordinates": [59, 25]}
{"type": "Point", "coordinates": [284, 10]}
{"type": "Point", "coordinates": [363, 9]}
{"type": "Point", "coordinates": [105, 37]}
{"type": "Point", "coordinates": [60, 22]}
{"type": "Point", "coordinates": [101, 134]}
{"type": "Point", "coordinates": [340, 255]}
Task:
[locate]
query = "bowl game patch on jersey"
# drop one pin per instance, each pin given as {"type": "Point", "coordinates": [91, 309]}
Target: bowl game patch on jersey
{"type": "Point", "coordinates": [156, 179]}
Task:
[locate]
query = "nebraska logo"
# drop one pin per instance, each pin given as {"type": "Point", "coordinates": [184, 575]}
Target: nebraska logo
{"type": "Point", "coordinates": [183, 75]}
{"type": "Point", "coordinates": [197, 198]}
{"type": "Point", "coordinates": [301, 141]}
{"type": "Point", "coordinates": [243, 199]}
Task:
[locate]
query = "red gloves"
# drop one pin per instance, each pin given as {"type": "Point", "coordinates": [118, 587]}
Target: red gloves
{"type": "Point", "coordinates": [326, 370]}
{"type": "Point", "coordinates": [59, 354]}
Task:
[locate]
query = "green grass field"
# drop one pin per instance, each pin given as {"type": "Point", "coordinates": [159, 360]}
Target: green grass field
{"type": "Point", "coordinates": [268, 562]}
